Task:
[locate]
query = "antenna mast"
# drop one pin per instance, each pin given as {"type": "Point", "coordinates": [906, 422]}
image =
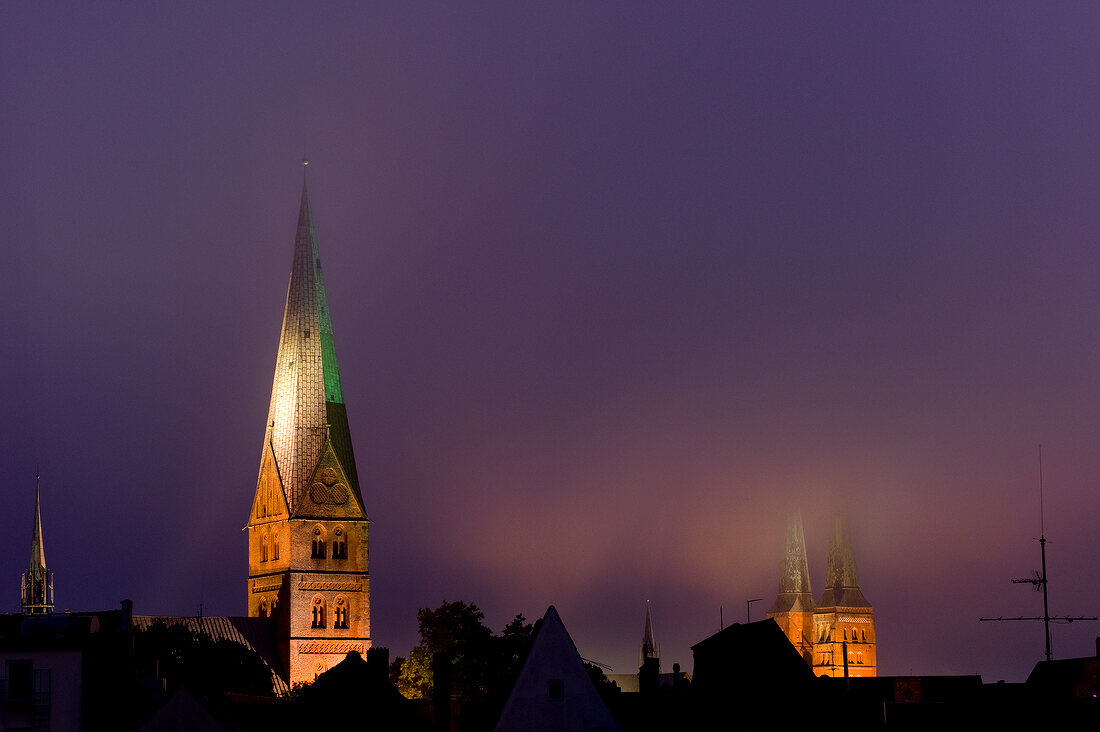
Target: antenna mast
{"type": "Point", "coordinates": [1040, 578]}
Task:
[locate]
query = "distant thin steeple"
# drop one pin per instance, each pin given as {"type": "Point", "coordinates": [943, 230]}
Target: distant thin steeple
{"type": "Point", "coordinates": [650, 649]}
{"type": "Point", "coordinates": [37, 584]}
{"type": "Point", "coordinates": [841, 582]}
{"type": "Point", "coordinates": [794, 594]}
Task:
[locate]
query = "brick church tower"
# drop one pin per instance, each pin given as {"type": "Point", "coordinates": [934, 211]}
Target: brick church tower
{"type": "Point", "coordinates": [307, 533]}
{"type": "Point", "coordinates": [843, 619]}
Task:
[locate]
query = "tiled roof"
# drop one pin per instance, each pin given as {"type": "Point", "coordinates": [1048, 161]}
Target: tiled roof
{"type": "Point", "coordinates": [252, 633]}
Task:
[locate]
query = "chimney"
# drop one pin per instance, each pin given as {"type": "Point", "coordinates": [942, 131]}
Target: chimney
{"type": "Point", "coordinates": [378, 664]}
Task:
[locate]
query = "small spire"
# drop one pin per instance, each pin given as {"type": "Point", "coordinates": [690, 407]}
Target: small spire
{"type": "Point", "coordinates": [37, 584]}
{"type": "Point", "coordinates": [38, 552]}
{"type": "Point", "coordinates": [649, 643]}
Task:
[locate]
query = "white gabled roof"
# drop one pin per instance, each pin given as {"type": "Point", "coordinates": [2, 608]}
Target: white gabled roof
{"type": "Point", "coordinates": [553, 690]}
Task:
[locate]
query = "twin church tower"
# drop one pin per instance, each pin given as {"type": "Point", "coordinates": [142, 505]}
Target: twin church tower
{"type": "Point", "coordinates": [836, 635]}
{"type": "Point", "coordinates": [307, 532]}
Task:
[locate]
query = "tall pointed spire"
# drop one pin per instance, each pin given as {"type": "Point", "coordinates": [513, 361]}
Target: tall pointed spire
{"type": "Point", "coordinates": [307, 401]}
{"type": "Point", "coordinates": [38, 552]}
{"type": "Point", "coordinates": [841, 583]}
{"type": "Point", "coordinates": [37, 585]}
{"type": "Point", "coordinates": [649, 649]}
{"type": "Point", "coordinates": [794, 571]}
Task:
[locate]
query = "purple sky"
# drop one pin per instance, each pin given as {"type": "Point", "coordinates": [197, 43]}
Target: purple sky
{"type": "Point", "coordinates": [612, 289]}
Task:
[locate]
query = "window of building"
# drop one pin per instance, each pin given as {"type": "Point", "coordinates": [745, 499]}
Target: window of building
{"type": "Point", "coordinates": [263, 548]}
{"type": "Point", "coordinates": [339, 544]}
{"type": "Point", "coordinates": [318, 612]}
{"type": "Point", "coordinates": [859, 656]}
{"type": "Point", "coordinates": [340, 613]}
{"type": "Point", "coordinates": [262, 611]}
{"type": "Point", "coordinates": [318, 543]}
{"type": "Point", "coordinates": [274, 545]}
{"type": "Point", "coordinates": [555, 689]}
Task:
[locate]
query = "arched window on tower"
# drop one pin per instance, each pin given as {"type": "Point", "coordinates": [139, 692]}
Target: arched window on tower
{"type": "Point", "coordinates": [318, 543]}
{"type": "Point", "coordinates": [263, 548]}
{"type": "Point", "coordinates": [340, 613]}
{"type": "Point", "coordinates": [274, 545]}
{"type": "Point", "coordinates": [339, 544]}
{"type": "Point", "coordinates": [262, 611]}
{"type": "Point", "coordinates": [318, 612]}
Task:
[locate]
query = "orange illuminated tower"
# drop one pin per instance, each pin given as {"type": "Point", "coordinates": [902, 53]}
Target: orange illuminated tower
{"type": "Point", "coordinates": [307, 532]}
{"type": "Point", "coordinates": [793, 609]}
{"type": "Point", "coordinates": [843, 619]}
{"type": "Point", "coordinates": [37, 582]}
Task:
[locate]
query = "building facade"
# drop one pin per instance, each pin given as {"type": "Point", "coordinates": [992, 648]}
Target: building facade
{"type": "Point", "coordinates": [835, 635]}
{"type": "Point", "coordinates": [308, 529]}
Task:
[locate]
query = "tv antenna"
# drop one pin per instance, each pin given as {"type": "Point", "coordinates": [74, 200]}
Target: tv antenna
{"type": "Point", "coordinates": [1039, 578]}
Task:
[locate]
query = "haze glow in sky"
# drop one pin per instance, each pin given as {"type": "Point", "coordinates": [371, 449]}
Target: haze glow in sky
{"type": "Point", "coordinates": [613, 287]}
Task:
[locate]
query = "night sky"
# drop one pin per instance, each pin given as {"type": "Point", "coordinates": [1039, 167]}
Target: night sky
{"type": "Point", "coordinates": [614, 287]}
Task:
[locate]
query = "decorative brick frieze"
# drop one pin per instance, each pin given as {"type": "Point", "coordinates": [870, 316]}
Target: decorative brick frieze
{"type": "Point", "coordinates": [330, 586]}
{"type": "Point", "coordinates": [329, 647]}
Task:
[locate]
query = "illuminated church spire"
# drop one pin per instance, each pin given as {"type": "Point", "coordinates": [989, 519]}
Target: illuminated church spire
{"type": "Point", "coordinates": [37, 580]}
{"type": "Point", "coordinates": [307, 402]}
{"type": "Point", "coordinates": [794, 573]}
{"type": "Point", "coordinates": [841, 583]}
{"type": "Point", "coordinates": [794, 604]}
